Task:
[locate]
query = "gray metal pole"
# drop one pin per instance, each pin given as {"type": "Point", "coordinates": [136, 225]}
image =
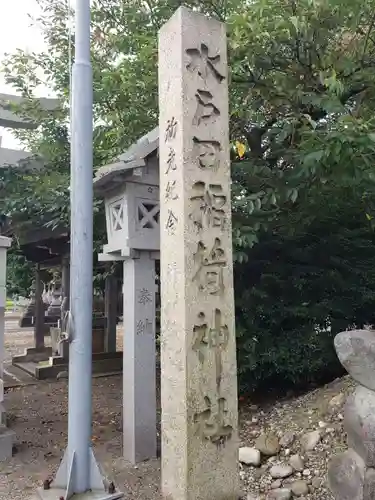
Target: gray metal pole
{"type": "Point", "coordinates": [80, 352]}
{"type": "Point", "coordinates": [79, 475]}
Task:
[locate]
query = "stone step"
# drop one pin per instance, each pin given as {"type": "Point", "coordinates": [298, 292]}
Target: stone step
{"type": "Point", "coordinates": [12, 325]}
{"type": "Point", "coordinates": [15, 377]}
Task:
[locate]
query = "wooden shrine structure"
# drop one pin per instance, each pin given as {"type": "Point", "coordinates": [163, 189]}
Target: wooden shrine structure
{"type": "Point", "coordinates": [49, 248]}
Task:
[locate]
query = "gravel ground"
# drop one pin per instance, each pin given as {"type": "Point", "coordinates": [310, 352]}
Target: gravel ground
{"type": "Point", "coordinates": [38, 415]}
{"type": "Point", "coordinates": [290, 421]}
{"type": "Point", "coordinates": [17, 341]}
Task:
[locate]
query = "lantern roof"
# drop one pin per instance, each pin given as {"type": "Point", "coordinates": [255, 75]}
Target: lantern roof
{"type": "Point", "coordinates": [128, 163]}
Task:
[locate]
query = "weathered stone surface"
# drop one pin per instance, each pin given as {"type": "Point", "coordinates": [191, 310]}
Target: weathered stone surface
{"type": "Point", "coordinates": [276, 484]}
{"type": "Point", "coordinates": [139, 408]}
{"type": "Point", "coordinates": [369, 486]}
{"type": "Point", "coordinates": [310, 440]}
{"type": "Point", "coordinates": [287, 439]}
{"type": "Point", "coordinates": [336, 402]}
{"type": "Point", "coordinates": [249, 456]}
{"type": "Point", "coordinates": [300, 488]}
{"type": "Point", "coordinates": [281, 471]}
{"type": "Point", "coordinates": [268, 444]}
{"type": "Point", "coordinates": [316, 482]}
{"type": "Point", "coordinates": [297, 463]}
{"type": "Point", "coordinates": [359, 423]}
{"type": "Point", "coordinates": [258, 473]}
{"type": "Point", "coordinates": [279, 494]}
{"type": "Point", "coordinates": [346, 475]}
{"type": "Point", "coordinates": [198, 342]}
{"type": "Point", "coordinates": [356, 352]}
{"type": "Point", "coordinates": [251, 496]}
{"type": "Point", "coordinates": [6, 443]}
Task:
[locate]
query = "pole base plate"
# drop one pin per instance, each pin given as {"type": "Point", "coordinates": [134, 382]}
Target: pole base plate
{"type": "Point", "coordinates": [57, 493]}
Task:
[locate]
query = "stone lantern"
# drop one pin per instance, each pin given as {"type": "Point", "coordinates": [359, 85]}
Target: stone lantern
{"type": "Point", "coordinates": [130, 188]}
{"type": "Point", "coordinates": [131, 191]}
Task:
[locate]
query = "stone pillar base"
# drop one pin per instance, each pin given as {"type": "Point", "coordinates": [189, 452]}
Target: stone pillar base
{"type": "Point", "coordinates": [6, 443]}
{"type": "Point", "coordinates": [33, 355]}
{"type": "Point", "coordinates": [139, 382]}
{"type": "Point", "coordinates": [55, 493]}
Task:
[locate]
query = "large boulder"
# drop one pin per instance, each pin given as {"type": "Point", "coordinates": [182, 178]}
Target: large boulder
{"type": "Point", "coordinates": [346, 476]}
{"type": "Point", "coordinates": [356, 352]}
{"type": "Point", "coordinates": [359, 423]}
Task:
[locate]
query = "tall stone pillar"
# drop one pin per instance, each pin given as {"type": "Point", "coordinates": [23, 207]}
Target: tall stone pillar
{"type": "Point", "coordinates": [4, 245]}
{"type": "Point", "coordinates": [110, 305]}
{"type": "Point", "coordinates": [139, 385]}
{"type": "Point", "coordinates": [39, 312]}
{"type": "Point", "coordinates": [6, 436]}
{"type": "Point", "coordinates": [198, 345]}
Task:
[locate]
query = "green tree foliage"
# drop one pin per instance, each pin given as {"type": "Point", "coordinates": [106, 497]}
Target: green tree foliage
{"type": "Point", "coordinates": [307, 279]}
{"type": "Point", "coordinates": [302, 94]}
{"type": "Point", "coordinates": [305, 78]}
{"type": "Point", "coordinates": [301, 90]}
{"type": "Point", "coordinates": [19, 274]}
{"type": "Point", "coordinates": [301, 122]}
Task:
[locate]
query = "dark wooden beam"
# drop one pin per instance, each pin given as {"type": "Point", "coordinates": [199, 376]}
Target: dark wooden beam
{"type": "Point", "coordinates": [39, 235]}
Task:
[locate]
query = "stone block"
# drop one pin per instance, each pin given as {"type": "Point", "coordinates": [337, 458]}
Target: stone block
{"type": "Point", "coordinates": [356, 352]}
{"type": "Point", "coordinates": [139, 382]}
{"type": "Point", "coordinates": [346, 476]}
{"type": "Point", "coordinates": [198, 341]}
{"type": "Point", "coordinates": [33, 354]}
{"type": "Point", "coordinates": [6, 443]}
{"type": "Point", "coordinates": [359, 423]}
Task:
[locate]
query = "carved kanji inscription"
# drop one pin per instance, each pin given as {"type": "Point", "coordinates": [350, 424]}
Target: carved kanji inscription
{"type": "Point", "coordinates": [212, 422]}
{"type": "Point", "coordinates": [208, 202]}
{"type": "Point", "coordinates": [207, 153]}
{"type": "Point", "coordinates": [171, 222]}
{"type": "Point", "coordinates": [144, 296]}
{"type": "Point", "coordinates": [171, 191]}
{"type": "Point", "coordinates": [210, 263]}
{"type": "Point", "coordinates": [206, 110]}
{"type": "Point", "coordinates": [198, 342]}
{"type": "Point", "coordinates": [208, 337]}
{"type": "Point", "coordinates": [171, 161]}
{"type": "Point", "coordinates": [171, 129]}
{"type": "Point", "coordinates": [203, 63]}
{"type": "Point", "coordinates": [144, 326]}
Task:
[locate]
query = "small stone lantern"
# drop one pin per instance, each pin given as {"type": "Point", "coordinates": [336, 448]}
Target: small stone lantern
{"type": "Point", "coordinates": [131, 191]}
{"type": "Point", "coordinates": [130, 188]}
